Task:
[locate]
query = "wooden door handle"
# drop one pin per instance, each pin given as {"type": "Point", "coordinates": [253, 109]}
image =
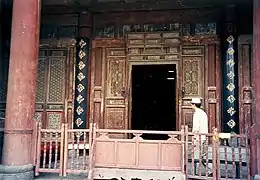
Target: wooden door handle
{"type": "Point", "coordinates": [182, 91]}
{"type": "Point", "coordinates": [123, 93]}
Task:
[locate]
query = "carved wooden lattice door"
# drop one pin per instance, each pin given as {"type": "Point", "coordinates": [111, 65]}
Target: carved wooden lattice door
{"type": "Point", "coordinates": [200, 77]}
{"type": "Point", "coordinates": [192, 80]}
{"type": "Point", "coordinates": [116, 98]}
{"type": "Point", "coordinates": [51, 87]}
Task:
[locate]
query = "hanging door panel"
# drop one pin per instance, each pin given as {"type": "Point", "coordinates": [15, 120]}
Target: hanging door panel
{"type": "Point", "coordinates": [116, 95]}
{"type": "Point", "coordinates": [201, 77]}
{"type": "Point", "coordinates": [192, 80]}
{"type": "Point", "coordinates": [51, 85]}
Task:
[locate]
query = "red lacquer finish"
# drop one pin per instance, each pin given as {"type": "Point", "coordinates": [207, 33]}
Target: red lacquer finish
{"type": "Point", "coordinates": [21, 83]}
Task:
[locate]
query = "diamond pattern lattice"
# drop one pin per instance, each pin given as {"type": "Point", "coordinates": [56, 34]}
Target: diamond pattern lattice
{"type": "Point", "coordinates": [40, 81]}
{"type": "Point", "coordinates": [56, 79]}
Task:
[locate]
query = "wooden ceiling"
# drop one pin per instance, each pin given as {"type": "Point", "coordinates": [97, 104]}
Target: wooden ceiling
{"type": "Point", "coordinates": [67, 6]}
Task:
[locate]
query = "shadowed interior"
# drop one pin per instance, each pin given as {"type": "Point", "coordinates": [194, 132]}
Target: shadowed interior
{"type": "Point", "coordinates": [154, 98]}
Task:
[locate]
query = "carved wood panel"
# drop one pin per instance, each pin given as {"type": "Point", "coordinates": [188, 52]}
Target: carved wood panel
{"type": "Point", "coordinates": [116, 99]}
{"type": "Point", "coordinates": [110, 76]}
{"type": "Point", "coordinates": [245, 83]}
{"type": "Point", "coordinates": [116, 77]}
{"type": "Point", "coordinates": [192, 80]}
{"type": "Point", "coordinates": [151, 47]}
{"type": "Point", "coordinates": [108, 85]}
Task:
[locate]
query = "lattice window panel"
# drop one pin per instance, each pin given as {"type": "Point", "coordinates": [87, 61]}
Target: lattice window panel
{"type": "Point", "coordinates": [56, 79]}
{"type": "Point", "coordinates": [40, 81]}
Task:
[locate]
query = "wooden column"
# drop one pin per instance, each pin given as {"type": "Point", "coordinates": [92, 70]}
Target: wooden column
{"type": "Point", "coordinates": [20, 106]}
{"type": "Point", "coordinates": [81, 102]}
{"type": "Point", "coordinates": [255, 131]}
{"type": "Point", "coordinates": [81, 84]}
{"type": "Point", "coordinates": [230, 122]}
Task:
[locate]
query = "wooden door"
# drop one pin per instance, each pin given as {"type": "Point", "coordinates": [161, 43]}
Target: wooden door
{"type": "Point", "coordinates": [200, 77]}
{"type": "Point", "coordinates": [192, 80]}
{"type": "Point", "coordinates": [109, 90]}
{"type": "Point", "coordinates": [53, 87]}
{"type": "Point", "coordinates": [245, 82]}
{"type": "Point", "coordinates": [116, 95]}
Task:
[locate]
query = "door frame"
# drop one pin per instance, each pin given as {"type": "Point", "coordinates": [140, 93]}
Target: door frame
{"type": "Point", "coordinates": [69, 46]}
{"type": "Point", "coordinates": [177, 63]}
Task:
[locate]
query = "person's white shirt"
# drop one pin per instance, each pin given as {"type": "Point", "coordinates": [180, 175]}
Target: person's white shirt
{"type": "Point", "coordinates": [200, 123]}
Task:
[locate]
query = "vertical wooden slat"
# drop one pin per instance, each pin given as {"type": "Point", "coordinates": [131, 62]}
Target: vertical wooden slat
{"type": "Point", "coordinates": [70, 91]}
{"type": "Point", "coordinates": [34, 142]}
{"type": "Point", "coordinates": [96, 92]}
{"type": "Point", "coordinates": [213, 73]}
{"type": "Point", "coordinates": [218, 87]}
{"type": "Point", "coordinates": [245, 83]}
{"type": "Point", "coordinates": [211, 86]}
{"type": "Point", "coordinates": [64, 150]}
{"type": "Point", "coordinates": [103, 72]}
{"type": "Point", "coordinates": [38, 154]}
{"type": "Point", "coordinates": [206, 79]}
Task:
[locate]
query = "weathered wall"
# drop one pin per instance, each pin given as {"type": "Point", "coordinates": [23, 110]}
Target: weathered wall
{"type": "Point", "coordinates": [66, 25]}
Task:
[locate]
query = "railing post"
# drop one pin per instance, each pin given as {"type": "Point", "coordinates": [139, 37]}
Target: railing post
{"type": "Point", "coordinates": [186, 139]}
{"type": "Point", "coordinates": [34, 142]}
{"type": "Point", "coordinates": [38, 150]}
{"type": "Point", "coordinates": [90, 145]}
{"type": "Point", "coordinates": [62, 150]}
{"type": "Point", "coordinates": [215, 154]}
{"type": "Point", "coordinates": [183, 148]}
{"type": "Point", "coordinates": [254, 149]}
{"type": "Point", "coordinates": [91, 149]}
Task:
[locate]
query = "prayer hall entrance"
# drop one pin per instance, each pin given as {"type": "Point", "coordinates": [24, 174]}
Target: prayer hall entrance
{"type": "Point", "coordinates": [146, 80]}
{"type": "Point", "coordinates": [154, 98]}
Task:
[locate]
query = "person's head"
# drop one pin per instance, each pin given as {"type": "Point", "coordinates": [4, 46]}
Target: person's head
{"type": "Point", "coordinates": [195, 103]}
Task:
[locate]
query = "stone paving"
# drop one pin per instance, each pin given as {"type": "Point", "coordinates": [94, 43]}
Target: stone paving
{"type": "Point", "coordinates": [53, 176]}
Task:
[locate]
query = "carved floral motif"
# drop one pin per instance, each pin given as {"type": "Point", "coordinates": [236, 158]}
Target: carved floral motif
{"type": "Point", "coordinates": [117, 77]}
{"type": "Point", "coordinates": [54, 120]}
{"type": "Point", "coordinates": [115, 118]}
{"type": "Point", "coordinates": [191, 75]}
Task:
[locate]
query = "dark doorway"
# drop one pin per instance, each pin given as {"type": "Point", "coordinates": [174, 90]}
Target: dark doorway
{"type": "Point", "coordinates": [154, 98]}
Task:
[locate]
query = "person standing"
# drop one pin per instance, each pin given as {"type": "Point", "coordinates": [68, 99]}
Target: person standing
{"type": "Point", "coordinates": [200, 125]}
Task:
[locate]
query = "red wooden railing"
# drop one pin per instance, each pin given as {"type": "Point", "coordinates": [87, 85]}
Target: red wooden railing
{"type": "Point", "coordinates": [97, 151]}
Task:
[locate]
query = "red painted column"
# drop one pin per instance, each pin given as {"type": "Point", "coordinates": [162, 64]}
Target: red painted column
{"type": "Point", "coordinates": [255, 131]}
{"type": "Point", "coordinates": [21, 92]}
